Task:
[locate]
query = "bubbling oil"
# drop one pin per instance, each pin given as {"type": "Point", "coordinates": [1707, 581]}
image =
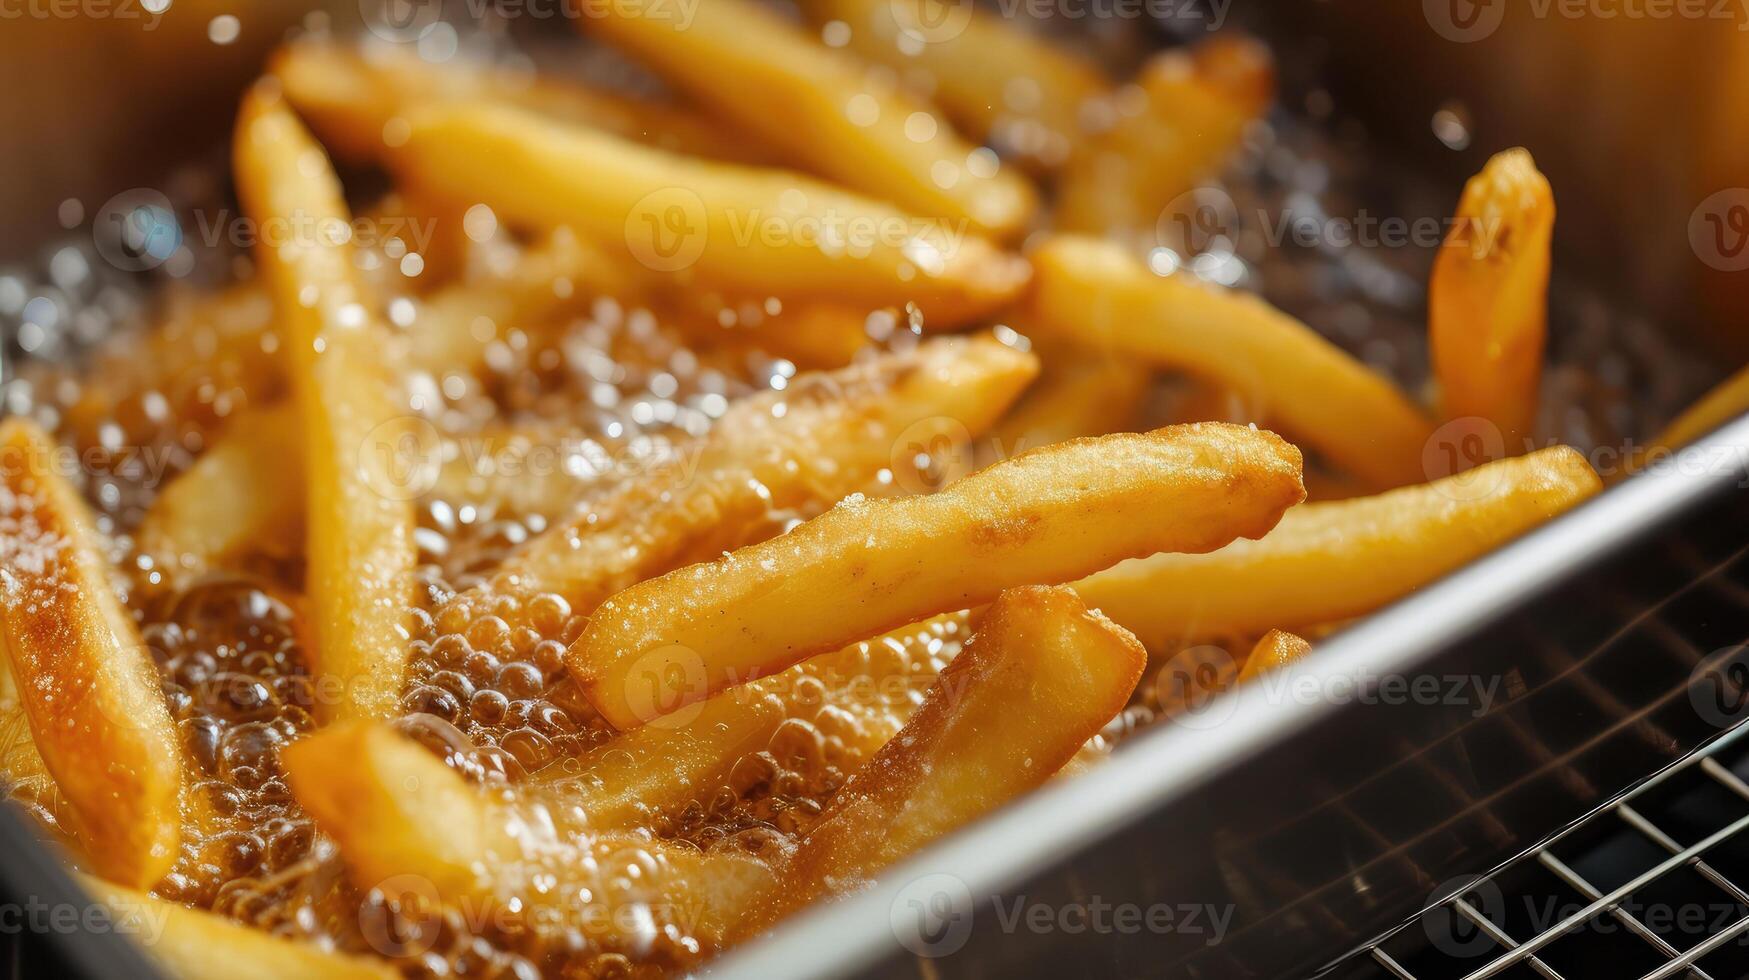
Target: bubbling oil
{"type": "Point", "coordinates": [488, 690]}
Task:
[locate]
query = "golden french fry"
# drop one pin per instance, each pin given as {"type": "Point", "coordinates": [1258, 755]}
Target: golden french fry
{"type": "Point", "coordinates": [1096, 294]}
{"type": "Point", "coordinates": [1344, 558]}
{"type": "Point", "coordinates": [1488, 305]}
{"type": "Point", "coordinates": [405, 820]}
{"type": "Point", "coordinates": [85, 678]}
{"type": "Point", "coordinates": [359, 515]}
{"type": "Point", "coordinates": [193, 945]}
{"type": "Point", "coordinates": [821, 438]}
{"type": "Point", "coordinates": [766, 232]}
{"type": "Point", "coordinates": [659, 768]}
{"type": "Point", "coordinates": [244, 492]}
{"type": "Point", "coordinates": [1274, 651]}
{"type": "Point", "coordinates": [1076, 395]}
{"type": "Point", "coordinates": [995, 82]}
{"type": "Point", "coordinates": [24, 776]}
{"type": "Point", "coordinates": [1040, 677]}
{"type": "Point", "coordinates": [21, 765]}
{"type": "Point", "coordinates": [1046, 516]}
{"type": "Point", "coordinates": [355, 99]}
{"type": "Point", "coordinates": [1195, 107]}
{"type": "Point", "coordinates": [821, 108]}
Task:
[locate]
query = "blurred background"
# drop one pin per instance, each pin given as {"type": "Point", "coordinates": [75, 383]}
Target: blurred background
{"type": "Point", "coordinates": [1637, 120]}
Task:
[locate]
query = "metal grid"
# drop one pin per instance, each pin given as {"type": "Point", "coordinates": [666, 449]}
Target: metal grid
{"type": "Point", "coordinates": [1647, 886]}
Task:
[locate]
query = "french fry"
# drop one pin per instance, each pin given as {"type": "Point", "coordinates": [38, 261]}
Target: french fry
{"type": "Point", "coordinates": [1040, 677]}
{"type": "Point", "coordinates": [85, 678]}
{"type": "Point", "coordinates": [1488, 304]}
{"type": "Point", "coordinates": [995, 82]}
{"type": "Point", "coordinates": [659, 768]}
{"type": "Point", "coordinates": [244, 492]}
{"type": "Point", "coordinates": [765, 232]}
{"type": "Point", "coordinates": [355, 98]}
{"type": "Point", "coordinates": [1340, 559]}
{"type": "Point", "coordinates": [24, 777]}
{"type": "Point", "coordinates": [1274, 651]}
{"type": "Point", "coordinates": [820, 108]}
{"type": "Point", "coordinates": [21, 765]}
{"type": "Point", "coordinates": [1076, 395]}
{"type": "Point", "coordinates": [396, 809]}
{"type": "Point", "coordinates": [1046, 516]}
{"type": "Point", "coordinates": [1195, 107]}
{"type": "Point", "coordinates": [398, 812]}
{"type": "Point", "coordinates": [823, 437]}
{"type": "Point", "coordinates": [360, 521]}
{"type": "Point", "coordinates": [1094, 293]}
{"type": "Point", "coordinates": [193, 945]}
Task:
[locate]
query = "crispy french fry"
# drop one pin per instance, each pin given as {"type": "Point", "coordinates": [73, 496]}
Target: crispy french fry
{"type": "Point", "coordinates": [359, 517]}
{"type": "Point", "coordinates": [21, 765]}
{"type": "Point", "coordinates": [820, 107]}
{"type": "Point", "coordinates": [1076, 395]}
{"type": "Point", "coordinates": [1046, 516]}
{"type": "Point", "coordinates": [245, 492]}
{"type": "Point", "coordinates": [84, 676]}
{"type": "Point", "coordinates": [399, 812]}
{"type": "Point", "coordinates": [659, 768]}
{"type": "Point", "coordinates": [1040, 677]}
{"type": "Point", "coordinates": [1274, 651]}
{"type": "Point", "coordinates": [1096, 294]}
{"type": "Point", "coordinates": [765, 232]}
{"type": "Point", "coordinates": [1488, 304]}
{"type": "Point", "coordinates": [355, 98]}
{"type": "Point", "coordinates": [396, 809]}
{"type": "Point", "coordinates": [995, 82]}
{"type": "Point", "coordinates": [1335, 560]}
{"type": "Point", "coordinates": [193, 945]}
{"type": "Point", "coordinates": [823, 437]}
{"type": "Point", "coordinates": [1195, 106]}
{"type": "Point", "coordinates": [24, 775]}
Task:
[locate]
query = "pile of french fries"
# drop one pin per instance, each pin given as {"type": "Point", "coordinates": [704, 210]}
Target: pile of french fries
{"type": "Point", "coordinates": [908, 569]}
